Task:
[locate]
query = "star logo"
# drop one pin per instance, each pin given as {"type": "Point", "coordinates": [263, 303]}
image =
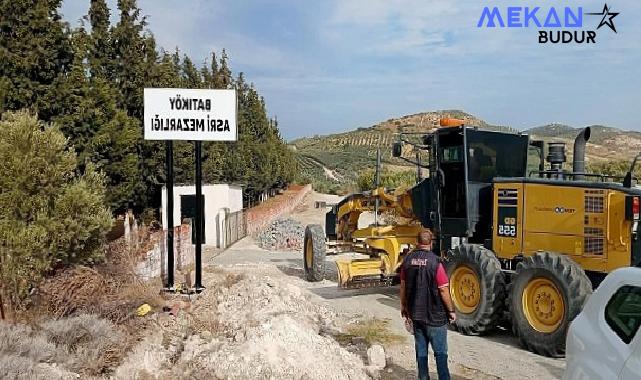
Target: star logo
{"type": "Point", "coordinates": [607, 18]}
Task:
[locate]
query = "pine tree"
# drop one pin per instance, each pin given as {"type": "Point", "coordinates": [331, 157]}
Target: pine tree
{"type": "Point", "coordinates": [114, 150]}
{"type": "Point", "coordinates": [132, 57]}
{"type": "Point", "coordinates": [91, 85]}
{"type": "Point", "coordinates": [98, 131]}
{"type": "Point", "coordinates": [224, 76]}
{"type": "Point", "coordinates": [100, 48]}
{"type": "Point", "coordinates": [35, 51]}
{"type": "Point", "coordinates": [207, 75]}
{"type": "Point", "coordinates": [191, 75]}
{"type": "Point", "coordinates": [70, 103]}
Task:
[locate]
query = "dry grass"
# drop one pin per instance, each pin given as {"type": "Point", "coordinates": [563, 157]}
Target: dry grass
{"type": "Point", "coordinates": [94, 345]}
{"type": "Point", "coordinates": [85, 345]}
{"type": "Point", "coordinates": [110, 290]}
{"type": "Point", "coordinates": [23, 341]}
{"type": "Point", "coordinates": [82, 290]}
{"type": "Point", "coordinates": [371, 331]}
{"type": "Point", "coordinates": [81, 318]}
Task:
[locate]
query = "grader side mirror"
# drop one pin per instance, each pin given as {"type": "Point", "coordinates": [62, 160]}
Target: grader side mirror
{"type": "Point", "coordinates": [397, 149]}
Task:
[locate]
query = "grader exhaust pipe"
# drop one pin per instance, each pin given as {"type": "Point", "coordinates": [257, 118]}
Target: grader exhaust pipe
{"type": "Point", "coordinates": [578, 161]}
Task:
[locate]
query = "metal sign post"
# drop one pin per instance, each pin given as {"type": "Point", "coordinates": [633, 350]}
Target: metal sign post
{"type": "Point", "coordinates": [199, 217]}
{"type": "Point", "coordinates": [188, 114]}
{"type": "Point", "coordinates": [169, 184]}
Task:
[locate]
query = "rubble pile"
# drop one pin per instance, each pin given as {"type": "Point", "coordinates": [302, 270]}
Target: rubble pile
{"type": "Point", "coordinates": [250, 326]}
{"type": "Point", "coordinates": [282, 234]}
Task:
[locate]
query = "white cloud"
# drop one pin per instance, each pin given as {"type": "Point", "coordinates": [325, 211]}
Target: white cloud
{"type": "Point", "coordinates": [358, 61]}
{"type": "Point", "coordinates": [389, 27]}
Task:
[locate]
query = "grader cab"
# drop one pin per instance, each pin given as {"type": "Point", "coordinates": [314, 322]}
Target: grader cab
{"type": "Point", "coordinates": [523, 242]}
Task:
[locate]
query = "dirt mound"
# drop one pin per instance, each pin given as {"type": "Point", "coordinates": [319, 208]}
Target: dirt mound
{"type": "Point", "coordinates": [242, 327]}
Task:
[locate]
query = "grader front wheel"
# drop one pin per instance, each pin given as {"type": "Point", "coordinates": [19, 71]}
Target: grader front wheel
{"type": "Point", "coordinates": [314, 253]}
{"type": "Point", "coordinates": [477, 287]}
{"type": "Point", "coordinates": [547, 294]}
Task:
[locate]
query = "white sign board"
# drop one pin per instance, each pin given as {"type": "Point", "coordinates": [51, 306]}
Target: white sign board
{"type": "Point", "coordinates": [190, 114]}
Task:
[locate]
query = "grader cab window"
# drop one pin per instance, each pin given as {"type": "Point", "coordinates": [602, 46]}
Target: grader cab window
{"type": "Point", "coordinates": [495, 155]}
{"type": "Point", "coordinates": [482, 162]}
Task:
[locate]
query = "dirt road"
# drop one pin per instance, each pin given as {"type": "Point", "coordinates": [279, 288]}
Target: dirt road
{"type": "Point", "coordinates": [497, 356]}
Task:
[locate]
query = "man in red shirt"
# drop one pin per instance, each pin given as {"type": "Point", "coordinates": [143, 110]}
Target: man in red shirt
{"type": "Point", "coordinates": [425, 299]}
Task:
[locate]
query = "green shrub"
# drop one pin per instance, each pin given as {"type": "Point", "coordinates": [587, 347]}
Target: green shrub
{"type": "Point", "coordinates": [50, 214]}
{"type": "Point", "coordinates": [389, 179]}
{"type": "Point", "coordinates": [615, 168]}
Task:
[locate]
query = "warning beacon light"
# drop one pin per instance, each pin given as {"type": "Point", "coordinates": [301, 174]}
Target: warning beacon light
{"type": "Point", "coordinates": [449, 122]}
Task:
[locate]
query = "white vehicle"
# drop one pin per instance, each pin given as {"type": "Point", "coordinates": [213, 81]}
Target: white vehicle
{"type": "Point", "coordinates": [603, 341]}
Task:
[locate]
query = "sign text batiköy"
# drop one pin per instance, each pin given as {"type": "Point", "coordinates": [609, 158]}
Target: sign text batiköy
{"type": "Point", "coordinates": [190, 114]}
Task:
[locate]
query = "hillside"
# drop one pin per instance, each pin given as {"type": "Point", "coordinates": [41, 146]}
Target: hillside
{"type": "Point", "coordinates": [335, 161]}
{"type": "Point", "coordinates": [605, 144]}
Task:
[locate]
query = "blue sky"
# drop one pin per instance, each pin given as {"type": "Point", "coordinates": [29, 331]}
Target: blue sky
{"type": "Point", "coordinates": [329, 66]}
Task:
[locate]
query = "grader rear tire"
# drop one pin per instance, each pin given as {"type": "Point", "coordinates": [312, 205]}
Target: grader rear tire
{"type": "Point", "coordinates": [314, 253]}
{"type": "Point", "coordinates": [477, 287]}
{"type": "Point", "coordinates": [548, 292]}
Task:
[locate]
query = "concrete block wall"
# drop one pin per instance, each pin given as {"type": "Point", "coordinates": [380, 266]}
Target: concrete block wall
{"type": "Point", "coordinates": [261, 216]}
{"type": "Point", "coordinates": [154, 260]}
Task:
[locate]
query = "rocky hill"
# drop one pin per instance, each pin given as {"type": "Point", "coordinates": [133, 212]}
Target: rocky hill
{"type": "Point", "coordinates": [605, 144]}
{"type": "Point", "coordinates": [337, 159]}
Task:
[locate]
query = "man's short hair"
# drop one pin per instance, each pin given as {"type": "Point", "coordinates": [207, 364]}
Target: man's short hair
{"type": "Point", "coordinates": [425, 237]}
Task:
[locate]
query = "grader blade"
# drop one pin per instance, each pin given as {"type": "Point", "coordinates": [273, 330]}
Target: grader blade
{"type": "Point", "coordinates": [360, 273]}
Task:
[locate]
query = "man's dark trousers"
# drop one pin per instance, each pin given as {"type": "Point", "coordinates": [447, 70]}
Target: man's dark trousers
{"type": "Point", "coordinates": [437, 337]}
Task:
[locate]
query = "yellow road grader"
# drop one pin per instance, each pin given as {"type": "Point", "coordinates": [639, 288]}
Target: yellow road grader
{"type": "Point", "coordinates": [523, 246]}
